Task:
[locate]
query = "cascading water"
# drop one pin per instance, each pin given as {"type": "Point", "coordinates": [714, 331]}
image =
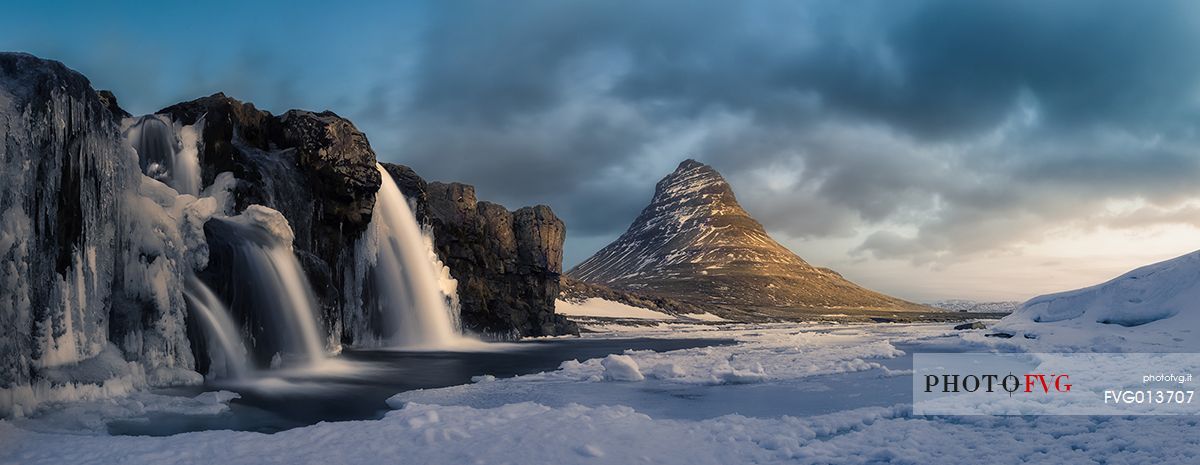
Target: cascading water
{"type": "Point", "coordinates": [226, 350]}
{"type": "Point", "coordinates": [186, 178]}
{"type": "Point", "coordinates": [280, 265]}
{"type": "Point", "coordinates": [415, 307]}
{"type": "Point", "coordinates": [252, 252]}
{"type": "Point", "coordinates": [167, 153]}
{"type": "Point", "coordinates": [154, 142]}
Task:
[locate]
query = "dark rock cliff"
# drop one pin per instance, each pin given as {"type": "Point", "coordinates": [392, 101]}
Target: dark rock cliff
{"type": "Point", "coordinates": [507, 263]}
{"type": "Point", "coordinates": [319, 171]}
{"type": "Point", "coordinates": [315, 168]}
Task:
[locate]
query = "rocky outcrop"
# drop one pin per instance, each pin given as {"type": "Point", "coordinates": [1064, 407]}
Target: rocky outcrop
{"type": "Point", "coordinates": [315, 168]}
{"type": "Point", "coordinates": [695, 243]}
{"type": "Point", "coordinates": [338, 163]}
{"type": "Point", "coordinates": [319, 171]}
{"type": "Point", "coordinates": [110, 102]}
{"type": "Point", "coordinates": [507, 263]}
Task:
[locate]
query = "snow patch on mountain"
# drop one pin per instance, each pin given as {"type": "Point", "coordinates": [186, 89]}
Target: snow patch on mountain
{"type": "Point", "coordinates": [606, 309]}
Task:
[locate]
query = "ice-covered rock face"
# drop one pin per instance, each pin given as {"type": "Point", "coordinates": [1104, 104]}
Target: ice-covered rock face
{"type": "Point", "coordinates": [92, 253]}
{"type": "Point", "coordinates": [60, 169]}
{"type": "Point", "coordinates": [695, 242]}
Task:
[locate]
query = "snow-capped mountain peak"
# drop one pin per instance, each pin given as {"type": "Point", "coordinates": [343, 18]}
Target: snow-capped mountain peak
{"type": "Point", "coordinates": [694, 241]}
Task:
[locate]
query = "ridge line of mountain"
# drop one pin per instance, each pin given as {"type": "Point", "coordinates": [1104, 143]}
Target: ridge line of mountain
{"type": "Point", "coordinates": [695, 243]}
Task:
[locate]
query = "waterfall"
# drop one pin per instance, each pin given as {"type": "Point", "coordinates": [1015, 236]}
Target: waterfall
{"type": "Point", "coordinates": [186, 177]}
{"type": "Point", "coordinates": [155, 145]}
{"type": "Point", "coordinates": [263, 280]}
{"type": "Point", "coordinates": [415, 306]}
{"type": "Point", "coordinates": [296, 297]}
{"type": "Point", "coordinates": [226, 350]}
{"type": "Point", "coordinates": [168, 153]}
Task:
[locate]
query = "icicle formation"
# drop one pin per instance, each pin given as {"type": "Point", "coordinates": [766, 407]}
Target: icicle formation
{"type": "Point", "coordinates": [415, 305]}
{"type": "Point", "coordinates": [226, 350]}
{"type": "Point", "coordinates": [168, 153]}
{"type": "Point", "coordinates": [91, 258]}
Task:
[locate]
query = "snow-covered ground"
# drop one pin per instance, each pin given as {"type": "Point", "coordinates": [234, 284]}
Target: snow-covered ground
{"type": "Point", "coordinates": [601, 308]}
{"type": "Point", "coordinates": [786, 393]}
{"type": "Point", "coordinates": [595, 307]}
{"type": "Point", "coordinates": [1155, 308]}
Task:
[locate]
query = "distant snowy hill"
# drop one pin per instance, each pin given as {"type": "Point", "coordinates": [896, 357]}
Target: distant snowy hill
{"type": "Point", "coordinates": [1152, 308]}
{"type": "Point", "coordinates": [695, 243]}
{"type": "Point", "coordinates": [971, 306]}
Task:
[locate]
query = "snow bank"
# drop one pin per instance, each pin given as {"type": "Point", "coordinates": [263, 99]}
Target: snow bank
{"type": "Point", "coordinates": [104, 376]}
{"type": "Point", "coordinates": [1151, 309]}
{"type": "Point", "coordinates": [429, 434]}
{"type": "Point", "coordinates": [754, 375]}
{"type": "Point", "coordinates": [93, 416]}
{"type": "Point", "coordinates": [21, 400]}
{"type": "Point", "coordinates": [534, 433]}
{"type": "Point", "coordinates": [596, 307]}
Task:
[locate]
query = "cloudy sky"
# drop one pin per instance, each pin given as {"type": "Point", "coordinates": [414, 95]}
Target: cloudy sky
{"type": "Point", "coordinates": [928, 149]}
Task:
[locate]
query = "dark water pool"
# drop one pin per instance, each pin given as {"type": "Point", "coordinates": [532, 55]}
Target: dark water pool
{"type": "Point", "coordinates": [359, 389]}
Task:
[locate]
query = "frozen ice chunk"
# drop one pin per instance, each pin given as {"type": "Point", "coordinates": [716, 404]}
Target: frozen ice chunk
{"type": "Point", "coordinates": [217, 397]}
{"type": "Point", "coordinates": [621, 368]}
{"type": "Point", "coordinates": [268, 220]}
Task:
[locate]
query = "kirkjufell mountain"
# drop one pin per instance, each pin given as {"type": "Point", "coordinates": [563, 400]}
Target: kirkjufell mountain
{"type": "Point", "coordinates": [695, 243]}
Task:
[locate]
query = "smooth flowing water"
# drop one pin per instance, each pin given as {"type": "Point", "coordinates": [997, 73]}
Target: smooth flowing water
{"type": "Point", "coordinates": [226, 350]}
{"type": "Point", "coordinates": [266, 283]}
{"type": "Point", "coordinates": [283, 278]}
{"type": "Point", "coordinates": [186, 177]}
{"type": "Point", "coordinates": [155, 145]}
{"type": "Point", "coordinates": [166, 154]}
{"type": "Point", "coordinates": [415, 305]}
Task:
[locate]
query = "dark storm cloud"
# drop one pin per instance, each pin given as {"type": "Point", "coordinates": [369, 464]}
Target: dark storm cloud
{"type": "Point", "coordinates": [962, 65]}
{"type": "Point", "coordinates": [951, 127]}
